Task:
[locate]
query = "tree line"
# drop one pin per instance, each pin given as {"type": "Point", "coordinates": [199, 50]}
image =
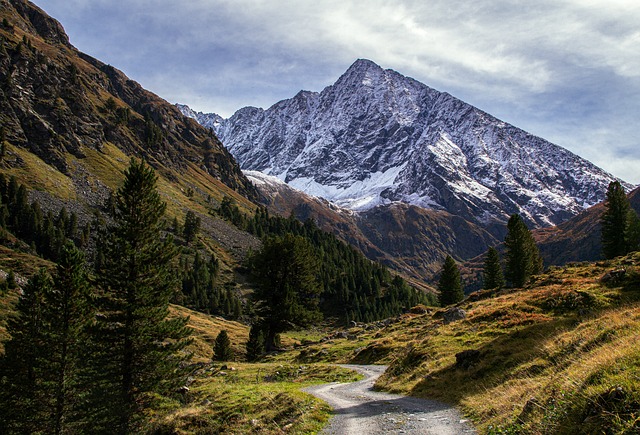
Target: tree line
{"type": "Point", "coordinates": [350, 286]}
{"type": "Point", "coordinates": [619, 235]}
{"type": "Point", "coordinates": [46, 232]}
{"type": "Point", "coordinates": [88, 352]}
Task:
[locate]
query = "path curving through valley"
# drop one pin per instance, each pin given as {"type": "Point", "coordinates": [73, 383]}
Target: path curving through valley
{"type": "Point", "coordinates": [358, 410]}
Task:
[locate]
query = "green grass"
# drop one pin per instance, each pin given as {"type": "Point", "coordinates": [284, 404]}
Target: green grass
{"type": "Point", "coordinates": [253, 398]}
{"type": "Point", "coordinates": [35, 173]}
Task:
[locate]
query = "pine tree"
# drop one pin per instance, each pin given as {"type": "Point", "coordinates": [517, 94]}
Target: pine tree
{"type": "Point", "coordinates": [23, 399]}
{"type": "Point", "coordinates": [137, 350]}
{"type": "Point", "coordinates": [191, 226]}
{"type": "Point", "coordinates": [286, 273]}
{"type": "Point", "coordinates": [11, 280]}
{"type": "Point", "coordinates": [614, 221]}
{"type": "Point", "coordinates": [255, 344]}
{"type": "Point", "coordinates": [69, 314]}
{"type": "Point", "coordinates": [222, 348]}
{"type": "Point", "coordinates": [45, 353]}
{"type": "Point", "coordinates": [492, 274]}
{"type": "Point", "coordinates": [632, 231]}
{"type": "Point", "coordinates": [523, 257]}
{"type": "Point", "coordinates": [450, 285]}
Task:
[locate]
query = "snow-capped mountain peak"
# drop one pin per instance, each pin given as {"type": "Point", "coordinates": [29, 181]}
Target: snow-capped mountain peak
{"type": "Point", "coordinates": [376, 136]}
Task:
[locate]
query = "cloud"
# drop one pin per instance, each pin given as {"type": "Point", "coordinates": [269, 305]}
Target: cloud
{"type": "Point", "coordinates": [565, 68]}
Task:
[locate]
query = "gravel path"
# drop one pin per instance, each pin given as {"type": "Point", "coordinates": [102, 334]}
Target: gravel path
{"type": "Point", "coordinates": [361, 411]}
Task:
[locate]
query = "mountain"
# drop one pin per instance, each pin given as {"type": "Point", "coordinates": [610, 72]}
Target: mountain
{"type": "Point", "coordinates": [407, 238]}
{"type": "Point", "coordinates": [70, 124]}
{"type": "Point", "coordinates": [577, 239]}
{"type": "Point", "coordinates": [209, 120]}
{"type": "Point", "coordinates": [377, 137]}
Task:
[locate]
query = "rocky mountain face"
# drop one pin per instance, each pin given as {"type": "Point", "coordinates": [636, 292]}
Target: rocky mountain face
{"type": "Point", "coordinates": [208, 120]}
{"type": "Point", "coordinates": [407, 238]}
{"type": "Point", "coordinates": [61, 104]}
{"type": "Point", "coordinates": [577, 239]}
{"type": "Point", "coordinates": [377, 137]}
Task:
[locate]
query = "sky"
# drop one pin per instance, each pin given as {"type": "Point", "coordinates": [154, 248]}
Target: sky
{"type": "Point", "coordinates": [565, 70]}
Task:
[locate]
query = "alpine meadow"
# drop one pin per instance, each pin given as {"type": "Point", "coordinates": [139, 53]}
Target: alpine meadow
{"type": "Point", "coordinates": [375, 257]}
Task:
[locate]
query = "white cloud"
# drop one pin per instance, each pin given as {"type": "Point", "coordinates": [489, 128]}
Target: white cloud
{"type": "Point", "coordinates": [541, 65]}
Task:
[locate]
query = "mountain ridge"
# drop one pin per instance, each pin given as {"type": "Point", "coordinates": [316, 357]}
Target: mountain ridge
{"type": "Point", "coordinates": [376, 136]}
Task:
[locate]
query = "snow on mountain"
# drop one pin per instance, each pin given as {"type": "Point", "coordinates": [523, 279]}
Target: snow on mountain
{"type": "Point", "coordinates": [209, 120]}
{"type": "Point", "coordinates": [376, 137]}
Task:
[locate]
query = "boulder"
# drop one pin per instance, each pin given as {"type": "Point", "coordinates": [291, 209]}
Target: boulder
{"type": "Point", "coordinates": [454, 314]}
{"type": "Point", "coordinates": [614, 276]}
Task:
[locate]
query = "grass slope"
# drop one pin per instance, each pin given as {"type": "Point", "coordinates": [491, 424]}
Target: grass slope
{"type": "Point", "coordinates": [560, 356]}
{"type": "Point", "coordinates": [239, 398]}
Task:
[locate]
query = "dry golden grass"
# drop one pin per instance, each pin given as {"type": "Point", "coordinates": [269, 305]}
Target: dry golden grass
{"type": "Point", "coordinates": [549, 354]}
{"type": "Point", "coordinates": [205, 330]}
{"type": "Point", "coordinates": [37, 174]}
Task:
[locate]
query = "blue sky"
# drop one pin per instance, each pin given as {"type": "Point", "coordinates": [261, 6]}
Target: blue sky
{"type": "Point", "coordinates": [565, 70]}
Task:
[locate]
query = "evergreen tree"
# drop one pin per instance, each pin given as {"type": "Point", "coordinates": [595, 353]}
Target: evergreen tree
{"type": "Point", "coordinates": [255, 344]}
{"type": "Point", "coordinates": [69, 314]}
{"type": "Point", "coordinates": [11, 280]}
{"type": "Point", "coordinates": [23, 398]}
{"type": "Point", "coordinates": [450, 286]}
{"type": "Point", "coordinates": [614, 221]}
{"type": "Point", "coordinates": [45, 353]}
{"type": "Point", "coordinates": [191, 226]}
{"type": "Point", "coordinates": [632, 231]}
{"type": "Point", "coordinates": [286, 273]}
{"type": "Point", "coordinates": [523, 257]}
{"type": "Point", "coordinates": [137, 349]}
{"type": "Point", "coordinates": [492, 274]}
{"type": "Point", "coordinates": [222, 348]}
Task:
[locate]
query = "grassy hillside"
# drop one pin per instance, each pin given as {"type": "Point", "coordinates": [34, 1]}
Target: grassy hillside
{"type": "Point", "coordinates": [560, 356]}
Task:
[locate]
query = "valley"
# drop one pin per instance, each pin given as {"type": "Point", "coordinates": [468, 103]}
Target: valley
{"type": "Point", "coordinates": [167, 271]}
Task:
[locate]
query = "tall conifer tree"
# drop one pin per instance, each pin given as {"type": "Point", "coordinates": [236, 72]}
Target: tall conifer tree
{"type": "Point", "coordinates": [45, 353]}
{"type": "Point", "coordinates": [222, 348]}
{"type": "Point", "coordinates": [450, 286]}
{"type": "Point", "coordinates": [286, 271]}
{"type": "Point", "coordinates": [23, 370]}
{"type": "Point", "coordinates": [69, 314]}
{"type": "Point", "coordinates": [255, 344]}
{"type": "Point", "coordinates": [632, 231]}
{"type": "Point", "coordinates": [523, 257]}
{"type": "Point", "coordinates": [138, 350]}
{"type": "Point", "coordinates": [492, 276]}
{"type": "Point", "coordinates": [614, 221]}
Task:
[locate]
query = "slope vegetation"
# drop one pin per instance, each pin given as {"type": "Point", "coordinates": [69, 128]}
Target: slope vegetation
{"type": "Point", "coordinates": [70, 124]}
{"type": "Point", "coordinates": [560, 356]}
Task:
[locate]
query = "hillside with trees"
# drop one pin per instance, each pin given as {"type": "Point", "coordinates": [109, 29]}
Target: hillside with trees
{"type": "Point", "coordinates": [145, 288]}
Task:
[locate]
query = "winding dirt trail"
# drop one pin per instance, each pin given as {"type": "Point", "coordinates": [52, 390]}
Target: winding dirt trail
{"type": "Point", "coordinates": [361, 411]}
